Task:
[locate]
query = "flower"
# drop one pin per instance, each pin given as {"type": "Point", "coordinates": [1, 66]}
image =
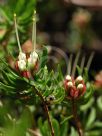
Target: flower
{"type": "Point", "coordinates": [32, 60]}
{"type": "Point", "coordinates": [98, 80]}
{"type": "Point", "coordinates": [26, 74]}
{"type": "Point", "coordinates": [74, 88]}
{"type": "Point", "coordinates": [81, 18]}
{"type": "Point", "coordinates": [22, 56]}
{"type": "Point", "coordinates": [68, 78]}
{"type": "Point", "coordinates": [22, 65]}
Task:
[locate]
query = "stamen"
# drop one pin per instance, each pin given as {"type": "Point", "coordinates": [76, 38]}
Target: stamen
{"type": "Point", "coordinates": [34, 31]}
{"type": "Point", "coordinates": [89, 61]}
{"type": "Point", "coordinates": [82, 63]}
{"type": "Point", "coordinates": [70, 64]}
{"type": "Point", "coordinates": [75, 64]}
{"type": "Point", "coordinates": [15, 22]}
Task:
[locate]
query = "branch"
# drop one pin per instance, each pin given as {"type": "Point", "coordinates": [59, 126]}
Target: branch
{"type": "Point", "coordinates": [46, 110]}
{"type": "Point", "coordinates": [77, 121]}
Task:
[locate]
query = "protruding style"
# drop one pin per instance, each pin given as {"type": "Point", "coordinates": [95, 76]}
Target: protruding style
{"type": "Point", "coordinates": [75, 64]}
{"type": "Point", "coordinates": [90, 60]}
{"type": "Point", "coordinates": [34, 31]}
{"type": "Point", "coordinates": [70, 64]}
{"type": "Point", "coordinates": [33, 59]}
{"type": "Point", "coordinates": [15, 22]}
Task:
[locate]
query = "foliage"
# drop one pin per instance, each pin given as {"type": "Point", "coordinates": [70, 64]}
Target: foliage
{"type": "Point", "coordinates": [40, 104]}
{"type": "Point", "coordinates": [23, 91]}
{"type": "Point", "coordinates": [21, 8]}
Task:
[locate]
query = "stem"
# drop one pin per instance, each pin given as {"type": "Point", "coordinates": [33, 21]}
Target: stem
{"type": "Point", "coordinates": [49, 119]}
{"type": "Point", "coordinates": [77, 121]}
{"type": "Point", "coordinates": [17, 33]}
{"type": "Point", "coordinates": [46, 110]}
{"type": "Point", "coordinates": [34, 31]}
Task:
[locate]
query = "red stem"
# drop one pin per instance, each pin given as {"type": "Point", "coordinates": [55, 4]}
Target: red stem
{"type": "Point", "coordinates": [77, 121]}
{"type": "Point", "coordinates": [47, 111]}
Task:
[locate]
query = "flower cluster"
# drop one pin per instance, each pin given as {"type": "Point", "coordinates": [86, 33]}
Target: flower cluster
{"type": "Point", "coordinates": [24, 65]}
{"type": "Point", "coordinates": [74, 87]}
{"type": "Point", "coordinates": [81, 18]}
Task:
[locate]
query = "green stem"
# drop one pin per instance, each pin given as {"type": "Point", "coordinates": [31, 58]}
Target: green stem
{"type": "Point", "coordinates": [77, 121]}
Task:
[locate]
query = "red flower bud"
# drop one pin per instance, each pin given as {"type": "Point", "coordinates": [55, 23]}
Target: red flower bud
{"type": "Point", "coordinates": [74, 88]}
{"type": "Point", "coordinates": [74, 93]}
{"type": "Point", "coordinates": [26, 74]}
{"type": "Point", "coordinates": [36, 66]}
{"type": "Point", "coordinates": [16, 66]}
{"type": "Point", "coordinates": [68, 78]}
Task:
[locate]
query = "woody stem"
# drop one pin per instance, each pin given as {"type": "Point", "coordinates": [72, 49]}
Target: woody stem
{"type": "Point", "coordinates": [46, 110]}
{"type": "Point", "coordinates": [77, 121]}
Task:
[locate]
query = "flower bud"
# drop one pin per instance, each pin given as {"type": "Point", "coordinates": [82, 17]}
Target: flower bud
{"type": "Point", "coordinates": [79, 79]}
{"type": "Point", "coordinates": [68, 78]}
{"type": "Point", "coordinates": [26, 74]}
{"type": "Point", "coordinates": [22, 56]}
{"type": "Point", "coordinates": [22, 65]}
{"type": "Point", "coordinates": [32, 60]}
{"type": "Point", "coordinates": [16, 65]}
{"type": "Point", "coordinates": [74, 93]}
{"type": "Point", "coordinates": [80, 87]}
{"type": "Point", "coordinates": [34, 55]}
{"type": "Point", "coordinates": [70, 84]}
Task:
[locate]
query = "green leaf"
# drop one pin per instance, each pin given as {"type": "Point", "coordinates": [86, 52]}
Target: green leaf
{"type": "Point", "coordinates": [56, 127]}
{"type": "Point", "coordinates": [5, 15]}
{"type": "Point", "coordinates": [59, 95]}
{"type": "Point", "coordinates": [20, 126]}
{"type": "Point", "coordinates": [94, 133]}
{"type": "Point", "coordinates": [79, 70]}
{"type": "Point", "coordinates": [87, 105]}
{"type": "Point", "coordinates": [7, 88]}
{"type": "Point", "coordinates": [99, 103]}
{"type": "Point", "coordinates": [7, 68]}
{"type": "Point", "coordinates": [45, 129]}
{"type": "Point", "coordinates": [43, 58]}
{"type": "Point", "coordinates": [91, 118]}
{"type": "Point", "coordinates": [73, 132]}
{"type": "Point", "coordinates": [26, 16]}
{"type": "Point", "coordinates": [89, 91]}
{"type": "Point", "coordinates": [85, 75]}
{"type": "Point", "coordinates": [64, 129]}
{"type": "Point", "coordinates": [8, 78]}
{"type": "Point", "coordinates": [40, 125]}
{"type": "Point", "coordinates": [66, 119]}
{"type": "Point", "coordinates": [59, 73]}
{"type": "Point", "coordinates": [20, 4]}
{"type": "Point", "coordinates": [98, 124]}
